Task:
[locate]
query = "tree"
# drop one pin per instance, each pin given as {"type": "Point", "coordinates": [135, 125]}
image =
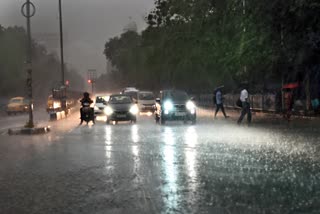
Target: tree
{"type": "Point", "coordinates": [205, 43]}
{"type": "Point", "coordinates": [45, 66]}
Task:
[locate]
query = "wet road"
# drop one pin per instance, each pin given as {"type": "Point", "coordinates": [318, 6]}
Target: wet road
{"type": "Point", "coordinates": [20, 119]}
{"type": "Point", "coordinates": [212, 167]}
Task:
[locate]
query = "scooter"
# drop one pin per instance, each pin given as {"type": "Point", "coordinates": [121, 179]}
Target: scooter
{"type": "Point", "coordinates": [87, 113]}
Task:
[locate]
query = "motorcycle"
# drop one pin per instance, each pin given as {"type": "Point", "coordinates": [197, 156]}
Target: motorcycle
{"type": "Point", "coordinates": [87, 113]}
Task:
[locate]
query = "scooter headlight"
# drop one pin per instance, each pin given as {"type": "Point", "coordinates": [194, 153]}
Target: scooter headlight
{"type": "Point", "coordinates": [108, 110]}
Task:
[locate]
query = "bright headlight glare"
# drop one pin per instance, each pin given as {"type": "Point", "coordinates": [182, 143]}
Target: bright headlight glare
{"type": "Point", "coordinates": [190, 105]}
{"type": "Point", "coordinates": [168, 106]}
{"type": "Point", "coordinates": [56, 105]}
{"type": "Point", "coordinates": [134, 109]}
{"type": "Point", "coordinates": [108, 110]}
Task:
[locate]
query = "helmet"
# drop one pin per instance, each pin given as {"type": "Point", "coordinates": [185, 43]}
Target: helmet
{"type": "Point", "coordinates": [86, 94]}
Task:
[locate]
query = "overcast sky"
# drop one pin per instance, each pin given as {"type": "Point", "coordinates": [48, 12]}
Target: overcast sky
{"type": "Point", "coordinates": [88, 24]}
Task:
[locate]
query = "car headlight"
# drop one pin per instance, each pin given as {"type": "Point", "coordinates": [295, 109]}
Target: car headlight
{"type": "Point", "coordinates": [191, 107]}
{"type": "Point", "coordinates": [134, 109]}
{"type": "Point", "coordinates": [96, 108]}
{"type": "Point", "coordinates": [168, 106]}
{"type": "Point", "coordinates": [108, 110]}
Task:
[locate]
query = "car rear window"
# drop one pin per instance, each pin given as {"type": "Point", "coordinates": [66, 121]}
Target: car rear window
{"type": "Point", "coordinates": [146, 96]}
{"type": "Point", "coordinates": [132, 94]}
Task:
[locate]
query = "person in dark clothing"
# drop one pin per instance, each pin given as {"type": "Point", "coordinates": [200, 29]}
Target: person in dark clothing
{"type": "Point", "coordinates": [86, 99]}
{"type": "Point", "coordinates": [288, 97]}
{"type": "Point", "coordinates": [219, 103]}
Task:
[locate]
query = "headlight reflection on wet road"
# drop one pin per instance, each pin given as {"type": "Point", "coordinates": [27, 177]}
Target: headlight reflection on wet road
{"type": "Point", "coordinates": [170, 168]}
{"type": "Point", "coordinates": [191, 139]}
{"type": "Point", "coordinates": [135, 151]}
{"type": "Point", "coordinates": [135, 134]}
{"type": "Point", "coordinates": [108, 142]}
{"type": "Point", "coordinates": [168, 136]}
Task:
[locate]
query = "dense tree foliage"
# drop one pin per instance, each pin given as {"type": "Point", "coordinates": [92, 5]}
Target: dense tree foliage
{"type": "Point", "coordinates": [204, 43]}
{"type": "Point", "coordinates": [46, 66]}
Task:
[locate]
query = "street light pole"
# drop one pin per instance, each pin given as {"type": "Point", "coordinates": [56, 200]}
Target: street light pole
{"type": "Point", "coordinates": [63, 84]}
{"type": "Point", "coordinates": [61, 44]}
{"type": "Point", "coordinates": [26, 12]}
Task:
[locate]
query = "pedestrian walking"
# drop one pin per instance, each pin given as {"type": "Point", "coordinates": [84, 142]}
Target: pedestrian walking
{"type": "Point", "coordinates": [218, 99]}
{"type": "Point", "coordinates": [245, 102]}
{"type": "Point", "coordinates": [288, 97]}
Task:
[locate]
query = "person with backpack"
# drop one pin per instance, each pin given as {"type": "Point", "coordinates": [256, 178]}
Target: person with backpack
{"type": "Point", "coordinates": [218, 101]}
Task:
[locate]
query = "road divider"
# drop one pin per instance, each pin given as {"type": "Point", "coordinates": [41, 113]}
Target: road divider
{"type": "Point", "coordinates": [59, 115]}
{"type": "Point", "coordinates": [29, 131]}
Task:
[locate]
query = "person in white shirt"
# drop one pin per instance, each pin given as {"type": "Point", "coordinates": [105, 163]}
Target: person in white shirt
{"type": "Point", "coordinates": [246, 109]}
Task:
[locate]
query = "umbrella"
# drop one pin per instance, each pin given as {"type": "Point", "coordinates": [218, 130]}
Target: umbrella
{"type": "Point", "coordinates": [290, 86]}
{"type": "Point", "coordinates": [219, 87]}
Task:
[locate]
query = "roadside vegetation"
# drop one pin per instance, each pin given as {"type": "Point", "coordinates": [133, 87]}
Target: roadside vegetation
{"type": "Point", "coordinates": [204, 43]}
{"type": "Point", "coordinates": [46, 67]}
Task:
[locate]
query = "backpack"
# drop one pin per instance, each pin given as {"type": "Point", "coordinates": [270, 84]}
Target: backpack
{"type": "Point", "coordinates": [239, 103]}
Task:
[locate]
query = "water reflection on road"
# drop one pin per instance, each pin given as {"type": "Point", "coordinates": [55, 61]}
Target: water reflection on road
{"type": "Point", "coordinates": [170, 169]}
{"type": "Point", "coordinates": [108, 143]}
{"type": "Point", "coordinates": [191, 139]}
{"type": "Point", "coordinates": [199, 169]}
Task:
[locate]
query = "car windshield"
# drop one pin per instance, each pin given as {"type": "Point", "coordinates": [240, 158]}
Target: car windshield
{"type": "Point", "coordinates": [146, 96]}
{"type": "Point", "coordinates": [120, 99]}
{"type": "Point", "coordinates": [176, 95]}
{"type": "Point", "coordinates": [100, 99]}
{"type": "Point", "coordinates": [16, 101]}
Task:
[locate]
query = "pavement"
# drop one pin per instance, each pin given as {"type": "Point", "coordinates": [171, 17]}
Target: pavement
{"type": "Point", "coordinates": [214, 166]}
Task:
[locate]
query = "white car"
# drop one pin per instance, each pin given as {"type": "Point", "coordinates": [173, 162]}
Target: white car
{"type": "Point", "coordinates": [146, 102]}
{"type": "Point", "coordinates": [100, 104]}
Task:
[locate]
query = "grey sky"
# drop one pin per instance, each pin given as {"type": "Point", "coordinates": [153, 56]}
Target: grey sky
{"type": "Point", "coordinates": [87, 25]}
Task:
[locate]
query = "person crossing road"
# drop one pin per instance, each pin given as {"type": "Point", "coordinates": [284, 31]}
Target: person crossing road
{"type": "Point", "coordinates": [218, 99]}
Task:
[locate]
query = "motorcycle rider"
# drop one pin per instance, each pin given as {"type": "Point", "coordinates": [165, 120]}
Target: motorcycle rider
{"type": "Point", "coordinates": [86, 99]}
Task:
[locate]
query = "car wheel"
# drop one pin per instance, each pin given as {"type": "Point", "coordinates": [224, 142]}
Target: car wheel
{"type": "Point", "coordinates": [108, 122]}
{"type": "Point", "coordinates": [134, 120]}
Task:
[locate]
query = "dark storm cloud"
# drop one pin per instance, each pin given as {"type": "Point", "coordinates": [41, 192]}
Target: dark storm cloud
{"type": "Point", "coordinates": [87, 25]}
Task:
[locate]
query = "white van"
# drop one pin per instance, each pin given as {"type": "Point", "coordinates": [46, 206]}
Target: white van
{"type": "Point", "coordinates": [132, 92]}
{"type": "Point", "coordinates": [146, 101]}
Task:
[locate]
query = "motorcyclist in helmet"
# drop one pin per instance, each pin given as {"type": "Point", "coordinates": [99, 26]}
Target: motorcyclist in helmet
{"type": "Point", "coordinates": [86, 99]}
